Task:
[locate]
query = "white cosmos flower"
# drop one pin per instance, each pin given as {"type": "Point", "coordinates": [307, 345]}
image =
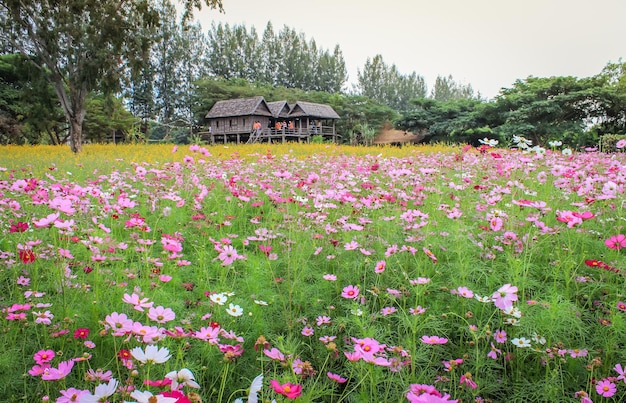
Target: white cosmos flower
{"type": "Point", "coordinates": [153, 354]}
{"type": "Point", "coordinates": [521, 342]}
{"type": "Point", "coordinates": [184, 377]}
{"type": "Point", "coordinates": [147, 397]}
{"type": "Point", "coordinates": [101, 393]}
{"type": "Point", "coordinates": [219, 299]}
{"type": "Point", "coordinates": [234, 310]}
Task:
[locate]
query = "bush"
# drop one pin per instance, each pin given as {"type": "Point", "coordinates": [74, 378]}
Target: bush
{"type": "Point", "coordinates": [608, 142]}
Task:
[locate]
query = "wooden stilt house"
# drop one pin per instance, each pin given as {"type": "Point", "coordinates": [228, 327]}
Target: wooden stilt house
{"type": "Point", "coordinates": [255, 120]}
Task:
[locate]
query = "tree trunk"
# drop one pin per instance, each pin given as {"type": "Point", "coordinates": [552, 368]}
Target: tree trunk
{"type": "Point", "coordinates": [73, 105]}
{"type": "Point", "coordinates": [76, 135]}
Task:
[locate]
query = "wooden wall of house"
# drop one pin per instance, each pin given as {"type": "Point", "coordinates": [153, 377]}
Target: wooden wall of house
{"type": "Point", "coordinates": [237, 124]}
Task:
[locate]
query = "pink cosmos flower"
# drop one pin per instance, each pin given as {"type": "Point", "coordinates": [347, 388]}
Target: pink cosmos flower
{"type": "Point", "coordinates": [336, 378]}
{"type": "Point", "coordinates": [138, 302]}
{"type": "Point", "coordinates": [322, 320]}
{"type": "Point", "coordinates": [44, 318]}
{"type": "Point", "coordinates": [55, 374]}
{"type": "Point", "coordinates": [500, 336]}
{"type": "Point", "coordinates": [161, 315]}
{"type": "Point", "coordinates": [505, 296]}
{"type": "Point", "coordinates": [71, 395]}
{"type": "Point", "coordinates": [618, 368]}
{"type": "Point", "coordinates": [38, 370]}
{"type": "Point", "coordinates": [380, 266]}
{"type": "Point", "coordinates": [329, 277]}
{"type": "Point", "coordinates": [434, 340]}
{"type": "Point", "coordinates": [119, 322]}
{"type": "Point", "coordinates": [606, 388]}
{"type": "Point", "coordinates": [43, 356]}
{"type": "Point", "coordinates": [621, 143]}
{"type": "Point", "coordinates": [388, 310]}
{"type": "Point", "coordinates": [616, 242]}
{"type": "Point", "coordinates": [467, 380]}
{"type": "Point", "coordinates": [227, 255]}
{"type": "Point", "coordinates": [350, 292]}
{"type": "Point", "coordinates": [464, 292]}
{"type": "Point", "coordinates": [417, 310]}
{"type": "Point", "coordinates": [308, 331]}
{"type": "Point", "coordinates": [493, 354]}
{"type": "Point", "coordinates": [289, 390]}
{"type": "Point", "coordinates": [274, 354]}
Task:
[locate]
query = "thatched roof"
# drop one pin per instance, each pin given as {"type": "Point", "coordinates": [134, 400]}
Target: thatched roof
{"type": "Point", "coordinates": [312, 110]}
{"type": "Point", "coordinates": [240, 107]}
{"type": "Point", "coordinates": [279, 109]}
{"type": "Point", "coordinates": [390, 136]}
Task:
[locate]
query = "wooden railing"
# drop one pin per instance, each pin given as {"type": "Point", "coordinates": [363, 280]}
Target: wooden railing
{"type": "Point", "coordinates": [269, 135]}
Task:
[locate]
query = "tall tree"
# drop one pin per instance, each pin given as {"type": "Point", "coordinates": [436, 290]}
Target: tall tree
{"type": "Point", "coordinates": [385, 84]}
{"type": "Point", "coordinates": [79, 44]}
{"type": "Point", "coordinates": [446, 89]}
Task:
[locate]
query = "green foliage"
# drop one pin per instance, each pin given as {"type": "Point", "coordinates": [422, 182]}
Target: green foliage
{"type": "Point", "coordinates": [107, 119]}
{"type": "Point", "coordinates": [29, 113]}
{"type": "Point", "coordinates": [608, 142]}
{"type": "Point", "coordinates": [385, 84]}
{"type": "Point", "coordinates": [286, 59]}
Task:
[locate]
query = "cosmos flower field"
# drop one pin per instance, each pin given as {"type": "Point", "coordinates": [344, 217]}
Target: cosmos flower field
{"type": "Point", "coordinates": [312, 273]}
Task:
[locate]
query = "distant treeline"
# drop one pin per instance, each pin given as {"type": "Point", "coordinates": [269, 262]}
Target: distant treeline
{"type": "Point", "coordinates": [176, 72]}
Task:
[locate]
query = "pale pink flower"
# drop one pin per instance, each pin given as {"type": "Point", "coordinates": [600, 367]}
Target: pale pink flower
{"type": "Point", "coordinates": [505, 296]}
{"type": "Point", "coordinates": [274, 354]}
{"type": "Point", "coordinates": [335, 377]}
{"type": "Point", "coordinates": [119, 322]}
{"type": "Point", "coordinates": [71, 395]}
{"type": "Point", "coordinates": [55, 374]}
{"type": "Point", "coordinates": [138, 302]}
{"type": "Point", "coordinates": [434, 340]}
{"type": "Point", "coordinates": [350, 292]}
{"type": "Point", "coordinates": [161, 314]}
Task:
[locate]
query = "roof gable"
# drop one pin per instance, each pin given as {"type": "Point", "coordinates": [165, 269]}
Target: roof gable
{"type": "Point", "coordinates": [313, 110]}
{"type": "Point", "coordinates": [240, 107]}
{"type": "Point", "coordinates": [279, 109]}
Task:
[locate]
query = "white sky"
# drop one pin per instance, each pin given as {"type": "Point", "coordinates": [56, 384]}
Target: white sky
{"type": "Point", "coordinates": [486, 43]}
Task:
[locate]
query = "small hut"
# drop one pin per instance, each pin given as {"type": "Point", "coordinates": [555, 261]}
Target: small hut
{"type": "Point", "coordinates": [235, 118]}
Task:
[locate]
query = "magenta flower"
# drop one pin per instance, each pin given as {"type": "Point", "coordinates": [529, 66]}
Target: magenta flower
{"type": "Point", "coordinates": [606, 388]}
{"type": "Point", "coordinates": [43, 356]}
{"type": "Point", "coordinates": [621, 143]}
{"type": "Point", "coordinates": [350, 292]}
{"type": "Point", "coordinates": [616, 242]}
{"type": "Point", "coordinates": [434, 340]}
{"type": "Point", "coordinates": [289, 390]}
